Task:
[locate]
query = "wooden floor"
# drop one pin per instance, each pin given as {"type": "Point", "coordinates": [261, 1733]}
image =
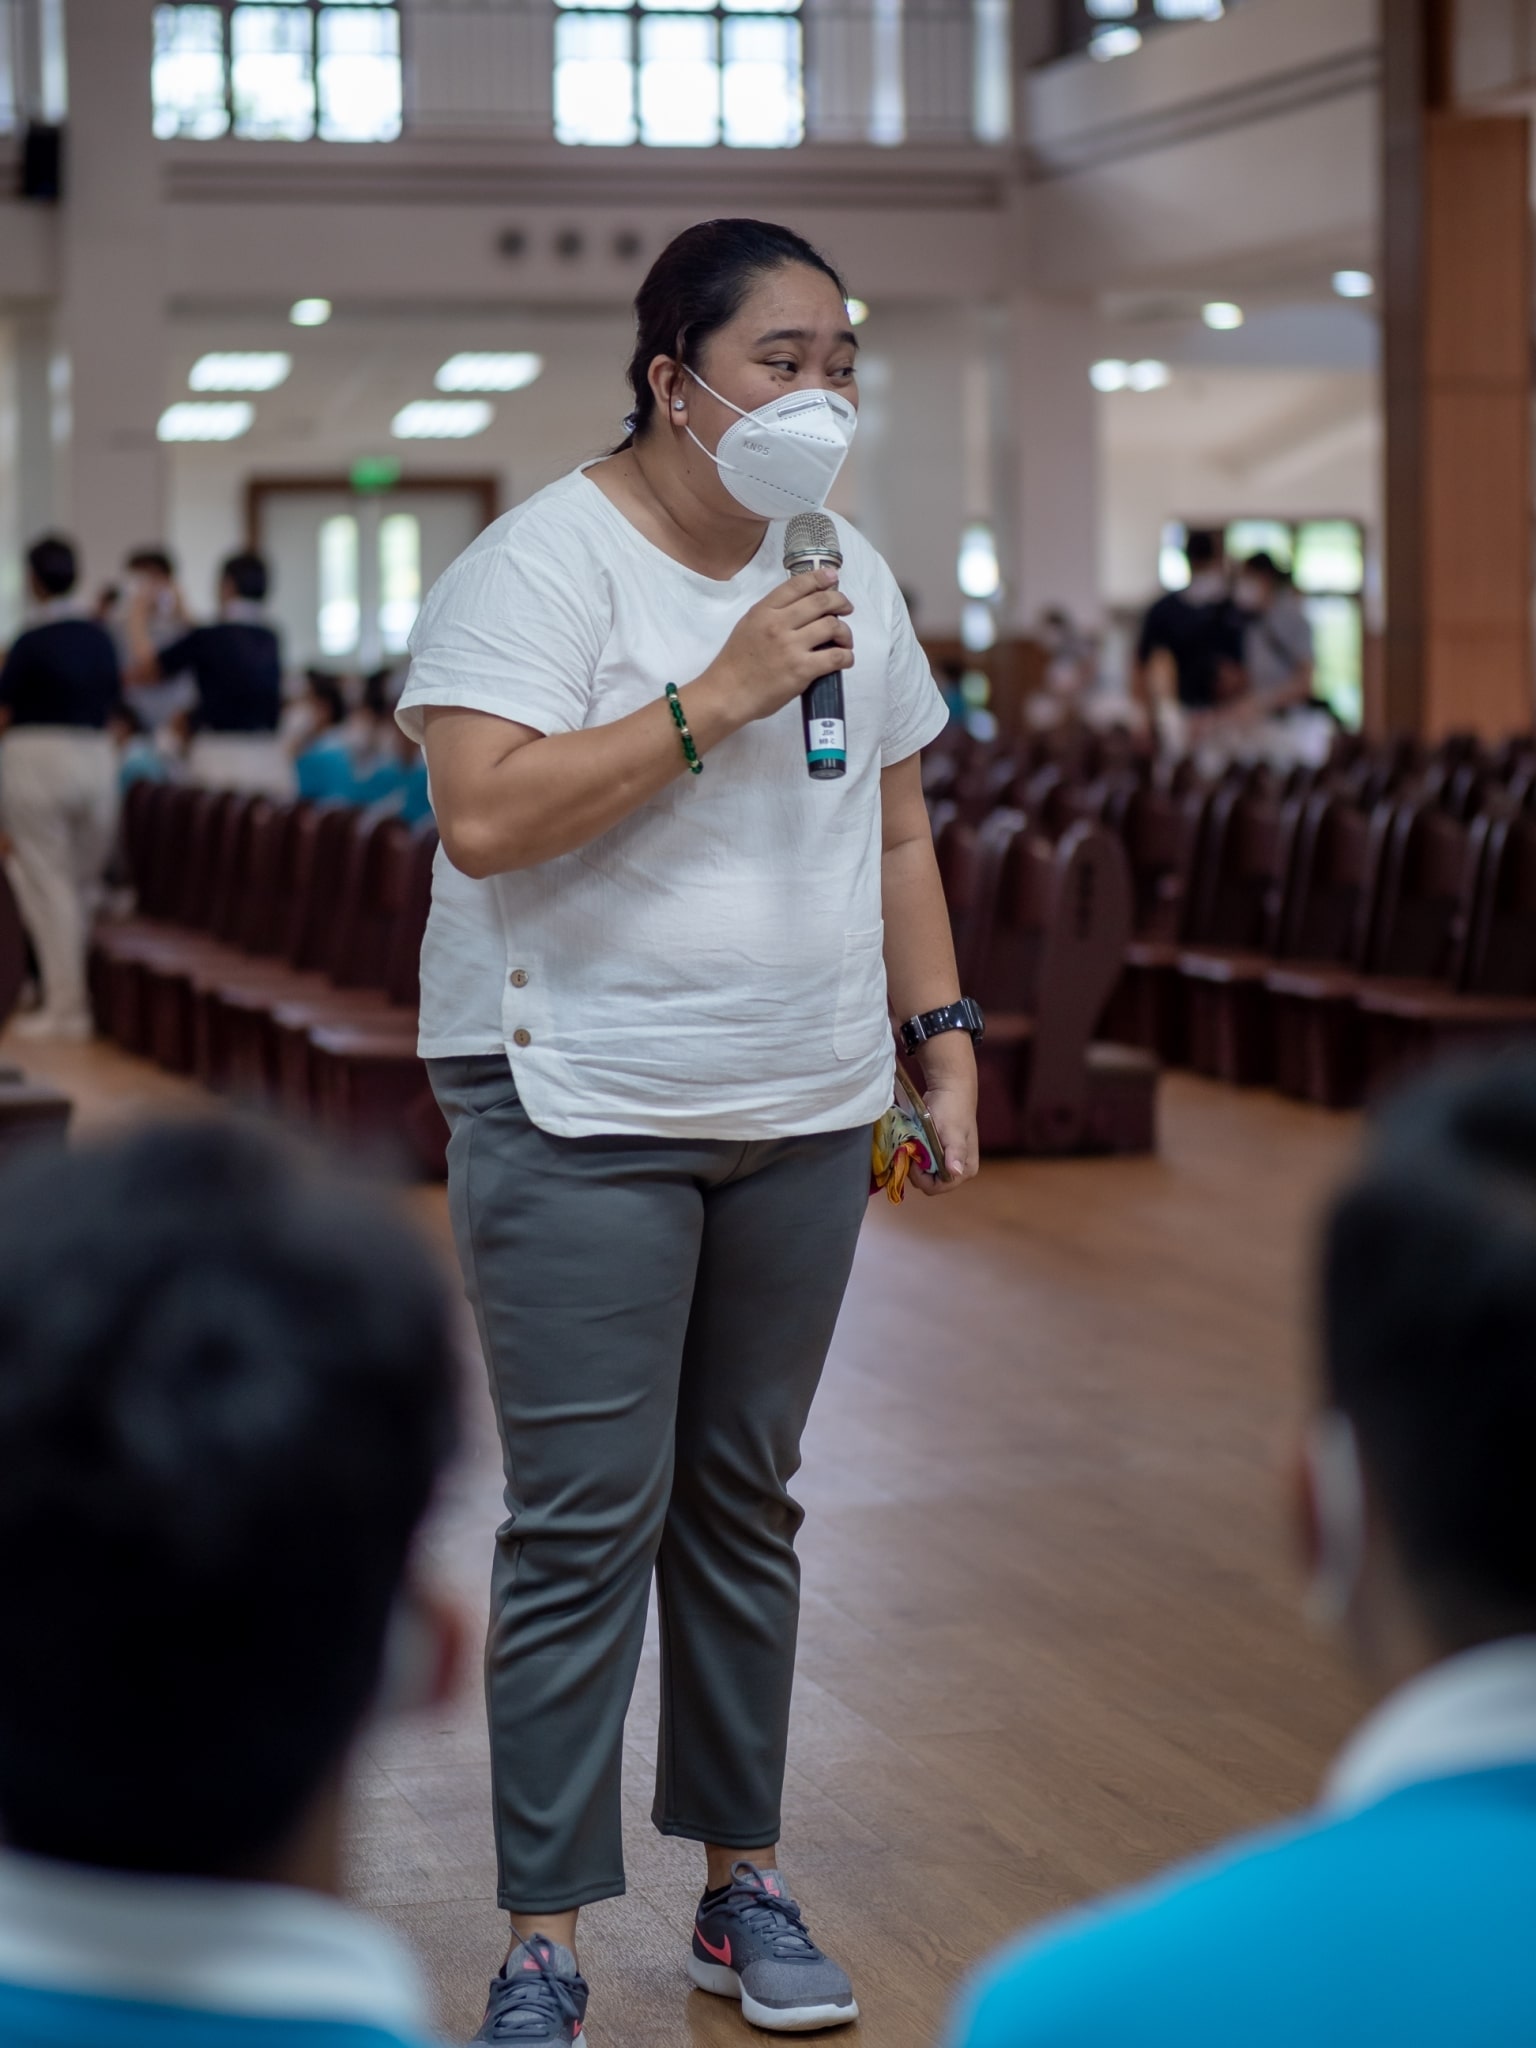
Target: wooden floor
{"type": "Point", "coordinates": [1050, 1637]}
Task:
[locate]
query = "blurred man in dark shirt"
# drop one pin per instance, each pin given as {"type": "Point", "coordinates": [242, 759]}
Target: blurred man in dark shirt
{"type": "Point", "coordinates": [1200, 629]}
{"type": "Point", "coordinates": [237, 669]}
{"type": "Point", "coordinates": [58, 782]}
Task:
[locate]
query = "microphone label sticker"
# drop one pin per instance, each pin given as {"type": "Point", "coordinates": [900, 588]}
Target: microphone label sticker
{"type": "Point", "coordinates": [826, 736]}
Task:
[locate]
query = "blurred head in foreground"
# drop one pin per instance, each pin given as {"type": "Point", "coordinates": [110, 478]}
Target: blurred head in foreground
{"type": "Point", "coordinates": [226, 1394]}
{"type": "Point", "coordinates": [1399, 1907]}
{"type": "Point", "coordinates": [1419, 1514]}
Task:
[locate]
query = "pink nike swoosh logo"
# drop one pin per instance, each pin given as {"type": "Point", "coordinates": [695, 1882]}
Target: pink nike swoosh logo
{"type": "Point", "coordinates": [721, 1955]}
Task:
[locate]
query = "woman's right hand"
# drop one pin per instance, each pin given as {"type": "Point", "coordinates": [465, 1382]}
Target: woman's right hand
{"type": "Point", "coordinates": [777, 649]}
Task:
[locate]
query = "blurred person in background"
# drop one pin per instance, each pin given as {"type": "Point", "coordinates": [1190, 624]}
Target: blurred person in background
{"type": "Point", "coordinates": [149, 580]}
{"type": "Point", "coordinates": [237, 673]}
{"type": "Point", "coordinates": [1198, 632]}
{"type": "Point", "coordinates": [317, 733]}
{"type": "Point", "coordinates": [1277, 637]}
{"type": "Point", "coordinates": [59, 689]}
{"type": "Point", "coordinates": [229, 1391]}
{"type": "Point", "coordinates": [1401, 1908]}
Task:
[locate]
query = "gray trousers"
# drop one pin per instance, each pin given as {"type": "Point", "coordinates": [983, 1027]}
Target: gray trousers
{"type": "Point", "coordinates": [655, 1314]}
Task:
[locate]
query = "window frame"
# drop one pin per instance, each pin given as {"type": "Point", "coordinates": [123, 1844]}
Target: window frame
{"type": "Point", "coordinates": [635, 14]}
{"type": "Point", "coordinates": [225, 9]}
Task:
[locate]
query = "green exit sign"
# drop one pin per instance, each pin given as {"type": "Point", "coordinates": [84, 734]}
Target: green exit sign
{"type": "Point", "coordinates": [375, 473]}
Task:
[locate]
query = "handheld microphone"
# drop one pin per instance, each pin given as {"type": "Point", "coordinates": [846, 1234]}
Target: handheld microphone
{"type": "Point", "coordinates": [810, 542]}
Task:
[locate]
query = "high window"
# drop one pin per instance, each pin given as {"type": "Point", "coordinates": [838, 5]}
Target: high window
{"type": "Point", "coordinates": [679, 73]}
{"type": "Point", "coordinates": [280, 70]}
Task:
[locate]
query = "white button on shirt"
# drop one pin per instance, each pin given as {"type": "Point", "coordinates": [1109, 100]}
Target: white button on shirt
{"type": "Point", "coordinates": [712, 966]}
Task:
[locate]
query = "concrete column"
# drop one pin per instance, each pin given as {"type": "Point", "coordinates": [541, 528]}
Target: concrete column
{"type": "Point", "coordinates": [1053, 432]}
{"type": "Point", "coordinates": [30, 419]}
{"type": "Point", "coordinates": [1456, 264]}
{"type": "Point", "coordinates": [111, 327]}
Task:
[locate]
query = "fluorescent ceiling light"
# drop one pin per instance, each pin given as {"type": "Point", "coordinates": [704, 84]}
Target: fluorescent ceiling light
{"type": "Point", "coordinates": [1222, 315]}
{"type": "Point", "coordinates": [192, 421]}
{"type": "Point", "coordinates": [1112, 10]}
{"type": "Point", "coordinates": [858, 312]}
{"type": "Point", "coordinates": [310, 312]}
{"type": "Point", "coordinates": [500, 372]}
{"type": "Point", "coordinates": [442, 419]}
{"type": "Point", "coordinates": [1353, 284]}
{"type": "Point", "coordinates": [1188, 10]}
{"type": "Point", "coordinates": [250, 370]}
{"type": "Point", "coordinates": [1148, 375]}
{"type": "Point", "coordinates": [1109, 375]}
{"type": "Point", "coordinates": [1114, 42]}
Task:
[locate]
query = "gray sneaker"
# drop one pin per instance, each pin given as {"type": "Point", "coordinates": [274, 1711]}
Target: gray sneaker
{"type": "Point", "coordinates": [753, 1945]}
{"type": "Point", "coordinates": [538, 1998]}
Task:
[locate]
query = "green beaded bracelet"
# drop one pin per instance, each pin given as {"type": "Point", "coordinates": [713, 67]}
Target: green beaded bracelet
{"type": "Point", "coordinates": [679, 719]}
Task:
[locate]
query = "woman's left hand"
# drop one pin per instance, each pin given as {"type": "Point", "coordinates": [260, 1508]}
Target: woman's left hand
{"type": "Point", "coordinates": [953, 1110]}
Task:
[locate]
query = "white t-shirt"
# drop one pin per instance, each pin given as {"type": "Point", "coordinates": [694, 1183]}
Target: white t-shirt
{"type": "Point", "coordinates": [712, 966]}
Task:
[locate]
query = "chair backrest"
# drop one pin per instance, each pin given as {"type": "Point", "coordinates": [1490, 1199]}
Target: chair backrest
{"type": "Point", "coordinates": [256, 923]}
{"type": "Point", "coordinates": [312, 882]}
{"type": "Point", "coordinates": [1161, 834]}
{"type": "Point", "coordinates": [136, 828]}
{"type": "Point", "coordinates": [231, 864]}
{"type": "Point", "coordinates": [371, 886]}
{"type": "Point", "coordinates": [1336, 868]}
{"type": "Point", "coordinates": [1086, 929]}
{"type": "Point", "coordinates": [413, 881]}
{"type": "Point", "coordinates": [1430, 866]}
{"type": "Point", "coordinates": [970, 861]}
{"type": "Point", "coordinates": [1237, 895]}
{"type": "Point", "coordinates": [1017, 876]}
{"type": "Point", "coordinates": [196, 884]}
{"type": "Point", "coordinates": [1502, 950]}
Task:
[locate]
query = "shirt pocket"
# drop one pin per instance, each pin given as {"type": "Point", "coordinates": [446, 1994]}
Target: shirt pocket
{"type": "Point", "coordinates": [860, 1014]}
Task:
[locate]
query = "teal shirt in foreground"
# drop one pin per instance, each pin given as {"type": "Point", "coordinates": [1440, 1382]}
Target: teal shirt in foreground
{"type": "Point", "coordinates": [64, 2019]}
{"type": "Point", "coordinates": [1408, 1923]}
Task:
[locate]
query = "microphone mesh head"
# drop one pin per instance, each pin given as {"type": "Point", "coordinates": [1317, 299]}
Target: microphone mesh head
{"type": "Point", "coordinates": [810, 534]}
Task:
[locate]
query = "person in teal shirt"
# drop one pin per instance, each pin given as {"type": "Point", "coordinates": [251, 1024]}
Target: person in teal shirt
{"type": "Point", "coordinates": [1402, 1909]}
{"type": "Point", "coordinates": [227, 1393]}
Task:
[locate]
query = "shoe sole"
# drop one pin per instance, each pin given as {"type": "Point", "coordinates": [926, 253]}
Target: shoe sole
{"type": "Point", "coordinates": [793, 2019]}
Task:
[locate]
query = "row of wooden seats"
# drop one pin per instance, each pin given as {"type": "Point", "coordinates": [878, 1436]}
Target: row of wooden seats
{"type": "Point", "coordinates": [274, 957]}
{"type": "Point", "coordinates": [1040, 930]}
{"type": "Point", "coordinates": [1327, 930]}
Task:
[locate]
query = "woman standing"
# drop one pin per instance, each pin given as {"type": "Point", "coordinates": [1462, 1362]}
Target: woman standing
{"type": "Point", "coordinates": [655, 1007]}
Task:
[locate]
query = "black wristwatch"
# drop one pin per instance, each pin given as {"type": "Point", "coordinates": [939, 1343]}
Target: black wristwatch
{"type": "Point", "coordinates": [962, 1016]}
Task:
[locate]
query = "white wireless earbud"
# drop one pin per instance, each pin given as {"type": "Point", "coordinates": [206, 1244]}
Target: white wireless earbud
{"type": "Point", "coordinates": [677, 405]}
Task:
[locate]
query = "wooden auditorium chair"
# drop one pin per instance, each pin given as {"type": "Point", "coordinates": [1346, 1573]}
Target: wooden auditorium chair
{"type": "Point", "coordinates": [1490, 999]}
{"type": "Point", "coordinates": [1414, 921]}
{"type": "Point", "coordinates": [1233, 924]}
{"type": "Point", "coordinates": [1047, 929]}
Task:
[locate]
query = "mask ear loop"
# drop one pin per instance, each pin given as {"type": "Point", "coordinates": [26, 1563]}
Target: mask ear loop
{"type": "Point", "coordinates": [1338, 1493]}
{"type": "Point", "coordinates": [733, 467]}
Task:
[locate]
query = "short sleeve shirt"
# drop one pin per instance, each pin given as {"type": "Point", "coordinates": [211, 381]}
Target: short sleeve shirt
{"type": "Point", "coordinates": [238, 671]}
{"type": "Point", "coordinates": [1278, 643]}
{"type": "Point", "coordinates": [712, 966]}
{"type": "Point", "coordinates": [65, 673]}
{"type": "Point", "coordinates": [1199, 637]}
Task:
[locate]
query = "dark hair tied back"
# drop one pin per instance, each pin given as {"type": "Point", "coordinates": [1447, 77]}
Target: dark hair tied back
{"type": "Point", "coordinates": [695, 286]}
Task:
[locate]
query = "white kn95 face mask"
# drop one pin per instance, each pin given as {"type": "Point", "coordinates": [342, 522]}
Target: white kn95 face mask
{"type": "Point", "coordinates": [783, 458]}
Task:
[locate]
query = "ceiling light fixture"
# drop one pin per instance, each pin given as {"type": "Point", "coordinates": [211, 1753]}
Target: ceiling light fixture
{"type": "Point", "coordinates": [193, 421]}
{"type": "Point", "coordinates": [1148, 375]}
{"type": "Point", "coordinates": [1353, 284]}
{"type": "Point", "coordinates": [1109, 375]}
{"type": "Point", "coordinates": [858, 312]}
{"type": "Point", "coordinates": [508, 370]}
{"type": "Point", "coordinates": [1189, 10]}
{"type": "Point", "coordinates": [310, 312]}
{"type": "Point", "coordinates": [442, 419]}
{"type": "Point", "coordinates": [1114, 42]}
{"type": "Point", "coordinates": [241, 370]}
{"type": "Point", "coordinates": [1222, 315]}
